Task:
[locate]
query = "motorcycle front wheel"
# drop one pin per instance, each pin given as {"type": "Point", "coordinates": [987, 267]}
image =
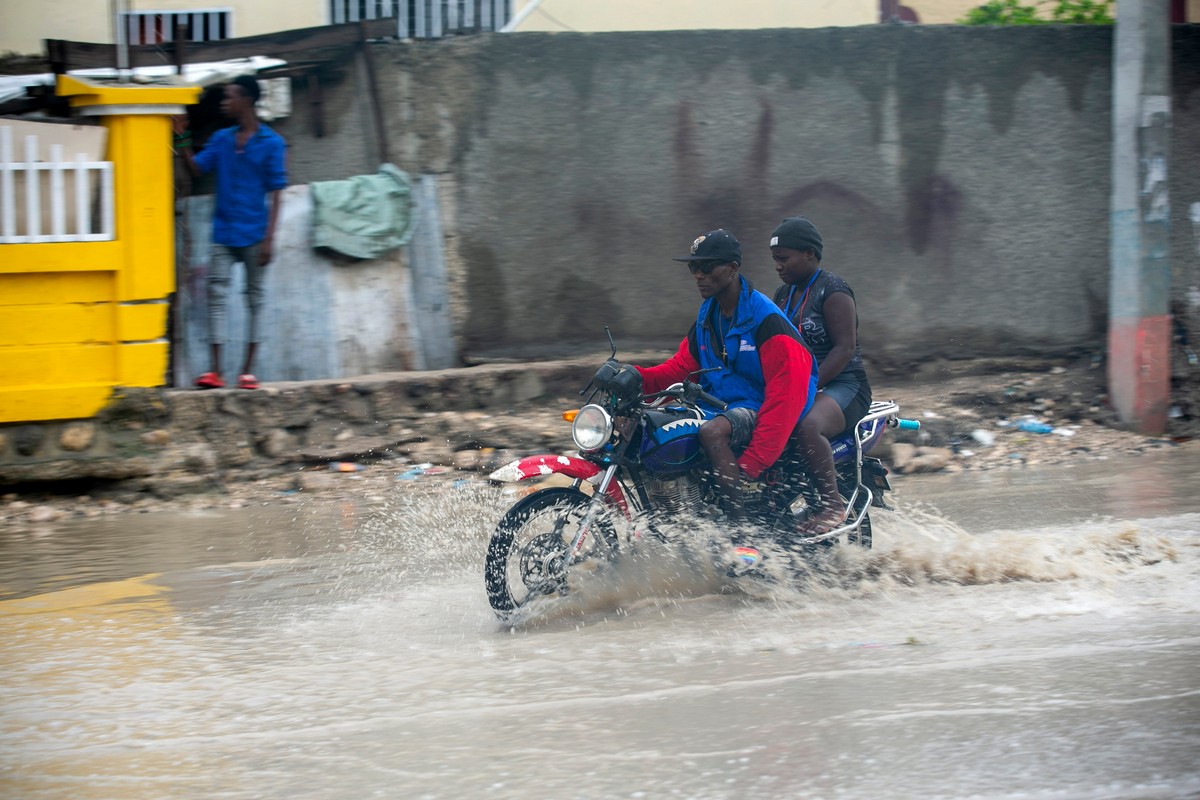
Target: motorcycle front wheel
{"type": "Point", "coordinates": [527, 555]}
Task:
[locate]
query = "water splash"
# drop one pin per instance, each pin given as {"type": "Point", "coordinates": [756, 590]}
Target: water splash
{"type": "Point", "coordinates": [927, 548]}
{"type": "Point", "coordinates": [441, 534]}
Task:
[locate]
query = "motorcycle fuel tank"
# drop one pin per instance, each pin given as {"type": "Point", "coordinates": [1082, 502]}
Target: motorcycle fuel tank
{"type": "Point", "coordinates": [671, 443]}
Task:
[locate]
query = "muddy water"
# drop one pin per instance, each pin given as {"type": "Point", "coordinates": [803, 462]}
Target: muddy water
{"type": "Point", "coordinates": [1016, 634]}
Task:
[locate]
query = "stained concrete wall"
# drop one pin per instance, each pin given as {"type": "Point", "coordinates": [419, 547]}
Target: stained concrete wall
{"type": "Point", "coordinates": [960, 176]}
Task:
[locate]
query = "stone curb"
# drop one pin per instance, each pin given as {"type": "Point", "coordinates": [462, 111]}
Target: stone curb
{"type": "Point", "coordinates": [177, 435]}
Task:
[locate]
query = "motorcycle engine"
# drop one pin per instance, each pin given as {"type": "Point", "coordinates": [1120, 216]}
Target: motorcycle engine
{"type": "Point", "coordinates": [675, 495]}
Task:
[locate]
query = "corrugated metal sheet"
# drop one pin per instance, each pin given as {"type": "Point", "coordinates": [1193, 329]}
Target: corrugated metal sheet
{"type": "Point", "coordinates": [431, 300]}
{"type": "Point", "coordinates": [323, 317]}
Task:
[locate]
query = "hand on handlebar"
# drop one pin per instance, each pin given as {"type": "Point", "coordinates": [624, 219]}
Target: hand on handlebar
{"type": "Point", "coordinates": [713, 401]}
{"type": "Point", "coordinates": [690, 393]}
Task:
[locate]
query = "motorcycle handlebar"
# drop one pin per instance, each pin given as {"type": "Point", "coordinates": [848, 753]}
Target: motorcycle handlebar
{"type": "Point", "coordinates": [908, 424]}
{"type": "Point", "coordinates": [688, 392]}
{"type": "Point", "coordinates": [712, 401]}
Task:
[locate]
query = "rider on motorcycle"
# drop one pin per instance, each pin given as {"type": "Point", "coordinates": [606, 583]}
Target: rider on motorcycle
{"type": "Point", "coordinates": [757, 363]}
{"type": "Point", "coordinates": [821, 305]}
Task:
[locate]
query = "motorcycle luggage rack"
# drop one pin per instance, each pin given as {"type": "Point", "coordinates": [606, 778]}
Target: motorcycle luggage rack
{"type": "Point", "coordinates": [879, 414]}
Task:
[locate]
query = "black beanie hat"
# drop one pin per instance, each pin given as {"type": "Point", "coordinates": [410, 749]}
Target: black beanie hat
{"type": "Point", "coordinates": [797, 233]}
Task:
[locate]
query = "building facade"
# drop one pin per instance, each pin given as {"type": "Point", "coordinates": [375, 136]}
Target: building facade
{"type": "Point", "coordinates": [637, 15]}
{"type": "Point", "coordinates": [28, 22]}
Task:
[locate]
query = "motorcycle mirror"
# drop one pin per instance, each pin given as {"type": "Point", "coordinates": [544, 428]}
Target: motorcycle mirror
{"type": "Point", "coordinates": [611, 343]}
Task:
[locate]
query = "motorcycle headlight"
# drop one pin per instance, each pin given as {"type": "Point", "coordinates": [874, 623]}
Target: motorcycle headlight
{"type": "Point", "coordinates": [592, 428]}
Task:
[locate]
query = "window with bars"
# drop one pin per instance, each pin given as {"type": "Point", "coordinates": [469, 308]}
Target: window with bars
{"type": "Point", "coordinates": [354, 10]}
{"type": "Point", "coordinates": [426, 19]}
{"type": "Point", "coordinates": [157, 27]}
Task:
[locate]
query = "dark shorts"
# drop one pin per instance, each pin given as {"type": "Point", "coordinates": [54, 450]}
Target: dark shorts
{"type": "Point", "coordinates": [852, 395]}
{"type": "Point", "coordinates": [742, 422]}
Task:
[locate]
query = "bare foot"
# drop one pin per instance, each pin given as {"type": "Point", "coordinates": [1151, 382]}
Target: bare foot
{"type": "Point", "coordinates": [823, 521]}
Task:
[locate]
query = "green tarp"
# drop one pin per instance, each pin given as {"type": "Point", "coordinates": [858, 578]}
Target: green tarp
{"type": "Point", "coordinates": [364, 216]}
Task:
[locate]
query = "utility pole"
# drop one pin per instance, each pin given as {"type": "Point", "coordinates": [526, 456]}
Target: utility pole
{"type": "Point", "coordinates": [120, 38]}
{"type": "Point", "coordinates": [1139, 322]}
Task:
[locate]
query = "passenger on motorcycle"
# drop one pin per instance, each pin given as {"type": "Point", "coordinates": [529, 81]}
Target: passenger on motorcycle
{"type": "Point", "coordinates": [758, 366]}
{"type": "Point", "coordinates": [821, 305]}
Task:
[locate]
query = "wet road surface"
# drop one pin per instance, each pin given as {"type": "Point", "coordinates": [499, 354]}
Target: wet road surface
{"type": "Point", "coordinates": [1014, 634]}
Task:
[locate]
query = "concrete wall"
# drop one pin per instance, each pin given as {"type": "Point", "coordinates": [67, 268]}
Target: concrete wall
{"type": "Point", "coordinates": [960, 176]}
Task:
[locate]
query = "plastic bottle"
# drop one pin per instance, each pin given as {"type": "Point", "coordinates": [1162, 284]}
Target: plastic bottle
{"type": "Point", "coordinates": [1033, 426]}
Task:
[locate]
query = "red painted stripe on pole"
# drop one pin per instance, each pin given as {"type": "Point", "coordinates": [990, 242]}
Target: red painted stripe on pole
{"type": "Point", "coordinates": [1139, 371]}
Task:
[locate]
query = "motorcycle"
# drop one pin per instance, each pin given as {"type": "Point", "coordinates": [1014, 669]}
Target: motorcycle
{"type": "Point", "coordinates": [640, 471]}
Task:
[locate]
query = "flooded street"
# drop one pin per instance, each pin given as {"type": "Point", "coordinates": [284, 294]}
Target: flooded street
{"type": "Point", "coordinates": [1015, 633]}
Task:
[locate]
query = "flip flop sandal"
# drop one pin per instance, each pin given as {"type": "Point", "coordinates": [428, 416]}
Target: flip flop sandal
{"type": "Point", "coordinates": [247, 381]}
{"type": "Point", "coordinates": [210, 380]}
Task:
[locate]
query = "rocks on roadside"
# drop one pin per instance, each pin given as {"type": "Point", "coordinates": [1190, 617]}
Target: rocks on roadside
{"type": "Point", "coordinates": [315, 482]}
{"type": "Point", "coordinates": [928, 459]}
{"type": "Point", "coordinates": [77, 436]}
{"type": "Point", "coordinates": [156, 438]}
{"type": "Point", "coordinates": [968, 423]}
{"type": "Point", "coordinates": [40, 514]}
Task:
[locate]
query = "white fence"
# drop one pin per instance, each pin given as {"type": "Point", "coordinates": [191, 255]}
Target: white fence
{"type": "Point", "coordinates": [426, 19]}
{"type": "Point", "coordinates": [52, 200]}
{"type": "Point", "coordinates": [157, 27]}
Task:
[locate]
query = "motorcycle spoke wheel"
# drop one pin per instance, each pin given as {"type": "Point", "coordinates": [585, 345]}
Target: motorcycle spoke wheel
{"type": "Point", "coordinates": [797, 513]}
{"type": "Point", "coordinates": [860, 536]}
{"type": "Point", "coordinates": [527, 556]}
{"type": "Point", "coordinates": [543, 562]}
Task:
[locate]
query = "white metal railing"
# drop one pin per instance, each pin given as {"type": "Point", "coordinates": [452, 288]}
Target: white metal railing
{"type": "Point", "coordinates": [62, 190]}
{"type": "Point", "coordinates": [158, 27]}
{"type": "Point", "coordinates": [426, 19]}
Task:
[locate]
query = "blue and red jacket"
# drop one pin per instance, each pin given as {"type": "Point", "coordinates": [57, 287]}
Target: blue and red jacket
{"type": "Point", "coordinates": [761, 363]}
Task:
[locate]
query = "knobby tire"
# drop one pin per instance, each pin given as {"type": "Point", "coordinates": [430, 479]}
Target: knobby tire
{"type": "Point", "coordinates": [525, 535]}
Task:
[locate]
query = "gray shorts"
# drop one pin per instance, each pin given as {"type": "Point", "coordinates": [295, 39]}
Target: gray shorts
{"type": "Point", "coordinates": [852, 395]}
{"type": "Point", "coordinates": [742, 422]}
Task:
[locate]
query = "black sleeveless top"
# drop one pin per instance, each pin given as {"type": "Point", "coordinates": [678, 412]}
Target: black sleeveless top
{"type": "Point", "coordinates": [809, 318]}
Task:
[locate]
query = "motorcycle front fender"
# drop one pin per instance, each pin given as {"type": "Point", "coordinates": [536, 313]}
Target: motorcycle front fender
{"type": "Point", "coordinates": [540, 466]}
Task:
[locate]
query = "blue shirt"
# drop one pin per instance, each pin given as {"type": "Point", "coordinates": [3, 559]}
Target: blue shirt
{"type": "Point", "coordinates": [731, 351]}
{"type": "Point", "coordinates": [244, 179]}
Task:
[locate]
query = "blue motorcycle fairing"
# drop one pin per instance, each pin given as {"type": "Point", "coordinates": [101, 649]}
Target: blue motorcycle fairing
{"type": "Point", "coordinates": [671, 442]}
{"type": "Point", "coordinates": [843, 443]}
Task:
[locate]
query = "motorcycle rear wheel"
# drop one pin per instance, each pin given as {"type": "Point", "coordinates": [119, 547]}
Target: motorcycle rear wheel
{"type": "Point", "coordinates": [526, 556]}
{"type": "Point", "coordinates": [859, 537]}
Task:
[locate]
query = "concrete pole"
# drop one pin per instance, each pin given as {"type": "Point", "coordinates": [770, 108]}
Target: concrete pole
{"type": "Point", "coordinates": [120, 38]}
{"type": "Point", "coordinates": [1139, 323]}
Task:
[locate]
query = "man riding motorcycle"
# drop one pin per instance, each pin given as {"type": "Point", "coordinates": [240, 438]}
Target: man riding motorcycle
{"type": "Point", "coordinates": [750, 357]}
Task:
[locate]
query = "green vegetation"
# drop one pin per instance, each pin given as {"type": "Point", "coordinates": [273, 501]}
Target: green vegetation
{"type": "Point", "coordinates": [1063, 12]}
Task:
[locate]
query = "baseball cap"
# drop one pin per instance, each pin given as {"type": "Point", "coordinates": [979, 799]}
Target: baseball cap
{"type": "Point", "coordinates": [719, 245]}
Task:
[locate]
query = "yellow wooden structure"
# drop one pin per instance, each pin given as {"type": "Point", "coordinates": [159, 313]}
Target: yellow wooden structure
{"type": "Point", "coordinates": [80, 319]}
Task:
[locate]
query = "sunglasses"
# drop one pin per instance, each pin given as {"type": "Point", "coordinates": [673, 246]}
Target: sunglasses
{"type": "Point", "coordinates": [704, 266]}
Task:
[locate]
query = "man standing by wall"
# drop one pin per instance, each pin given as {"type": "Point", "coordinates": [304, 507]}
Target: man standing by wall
{"type": "Point", "coordinates": [250, 166]}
